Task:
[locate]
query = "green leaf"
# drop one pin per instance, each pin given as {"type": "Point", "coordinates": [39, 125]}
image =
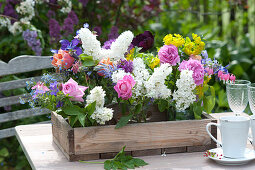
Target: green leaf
{"type": "Point", "coordinates": [82, 118]}
{"type": "Point", "coordinates": [123, 121]}
{"type": "Point", "coordinates": [73, 120]}
{"type": "Point", "coordinates": [4, 152]}
{"type": "Point", "coordinates": [138, 108]}
{"type": "Point", "coordinates": [91, 108]}
{"type": "Point", "coordinates": [108, 165]}
{"type": "Point", "coordinates": [209, 102]}
{"type": "Point", "coordinates": [72, 110]}
{"type": "Point", "coordinates": [87, 60]}
{"type": "Point", "coordinates": [212, 91]}
{"type": "Point", "coordinates": [197, 112]}
{"type": "Point", "coordinates": [162, 105]}
{"type": "Point", "coordinates": [139, 162]}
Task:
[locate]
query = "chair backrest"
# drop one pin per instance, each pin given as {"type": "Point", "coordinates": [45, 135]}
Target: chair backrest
{"type": "Point", "coordinates": [20, 64]}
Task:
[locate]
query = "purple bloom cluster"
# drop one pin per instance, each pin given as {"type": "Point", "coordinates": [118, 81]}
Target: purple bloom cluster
{"type": "Point", "coordinates": [66, 45]}
{"type": "Point", "coordinates": [32, 41]}
{"type": "Point", "coordinates": [98, 30]}
{"type": "Point", "coordinates": [69, 23]}
{"type": "Point", "coordinates": [107, 44]}
{"type": "Point", "coordinates": [126, 65]}
{"type": "Point", "coordinates": [51, 14]}
{"type": "Point", "coordinates": [114, 33]}
{"type": "Point", "coordinates": [54, 88]}
{"type": "Point", "coordinates": [145, 40]}
{"type": "Point", "coordinates": [9, 10]}
{"type": "Point", "coordinates": [54, 28]}
{"type": "Point", "coordinates": [84, 2]}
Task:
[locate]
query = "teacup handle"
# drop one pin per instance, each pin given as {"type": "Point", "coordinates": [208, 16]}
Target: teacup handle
{"type": "Point", "coordinates": [250, 138]}
{"type": "Point", "coordinates": [209, 133]}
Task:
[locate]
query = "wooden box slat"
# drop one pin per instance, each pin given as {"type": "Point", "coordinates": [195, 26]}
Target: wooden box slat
{"type": "Point", "coordinates": [141, 138]}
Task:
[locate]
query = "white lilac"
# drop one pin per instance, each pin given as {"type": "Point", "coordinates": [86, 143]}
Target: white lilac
{"type": "Point", "coordinates": [90, 44]}
{"type": "Point", "coordinates": [155, 86]}
{"type": "Point", "coordinates": [102, 114]}
{"type": "Point", "coordinates": [26, 8]}
{"type": "Point", "coordinates": [66, 6]}
{"type": "Point", "coordinates": [184, 95]}
{"type": "Point", "coordinates": [118, 75]}
{"type": "Point", "coordinates": [4, 22]}
{"type": "Point", "coordinates": [15, 28]}
{"type": "Point", "coordinates": [141, 75]}
{"type": "Point", "coordinates": [96, 94]}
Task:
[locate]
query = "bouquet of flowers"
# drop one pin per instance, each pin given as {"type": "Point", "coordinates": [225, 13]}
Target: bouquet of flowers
{"type": "Point", "coordinates": [89, 78]}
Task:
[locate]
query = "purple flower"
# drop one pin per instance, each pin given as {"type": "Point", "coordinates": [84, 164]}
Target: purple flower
{"type": "Point", "coordinates": [54, 28]}
{"type": "Point", "coordinates": [73, 17]}
{"type": "Point", "coordinates": [114, 33]}
{"type": "Point", "coordinates": [32, 41]}
{"type": "Point", "coordinates": [59, 104]}
{"type": "Point", "coordinates": [196, 67]}
{"type": "Point", "coordinates": [84, 2]}
{"type": "Point", "coordinates": [144, 40]}
{"type": "Point", "coordinates": [169, 54]}
{"type": "Point", "coordinates": [54, 88]}
{"type": "Point", "coordinates": [66, 45]}
{"type": "Point", "coordinates": [126, 65]}
{"type": "Point", "coordinates": [98, 30]}
{"type": "Point", "coordinates": [107, 44]}
{"type": "Point", "coordinates": [51, 14]}
{"type": "Point", "coordinates": [10, 11]}
{"type": "Point", "coordinates": [68, 26]}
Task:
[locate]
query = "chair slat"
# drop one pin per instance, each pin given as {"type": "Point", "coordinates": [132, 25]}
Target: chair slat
{"type": "Point", "coordinates": [20, 114]}
{"type": "Point", "coordinates": [14, 84]}
{"type": "Point", "coordinates": [25, 63]}
{"type": "Point", "coordinates": [7, 101]}
{"type": "Point", "coordinates": [5, 133]}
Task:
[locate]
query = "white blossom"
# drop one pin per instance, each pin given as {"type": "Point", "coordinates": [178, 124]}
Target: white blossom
{"type": "Point", "coordinates": [66, 6]}
{"type": "Point", "coordinates": [96, 94]}
{"type": "Point", "coordinates": [184, 95]}
{"type": "Point", "coordinates": [141, 75]}
{"type": "Point", "coordinates": [118, 75]}
{"type": "Point", "coordinates": [102, 114]}
{"type": "Point", "coordinates": [155, 86]}
{"type": "Point", "coordinates": [4, 22]}
{"type": "Point", "coordinates": [26, 8]}
{"type": "Point", "coordinates": [15, 28]}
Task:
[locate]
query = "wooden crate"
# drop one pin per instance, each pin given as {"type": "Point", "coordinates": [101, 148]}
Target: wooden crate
{"type": "Point", "coordinates": [141, 139]}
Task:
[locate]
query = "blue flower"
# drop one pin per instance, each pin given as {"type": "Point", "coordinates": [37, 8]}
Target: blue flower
{"type": "Point", "coordinates": [54, 88]}
{"type": "Point", "coordinates": [59, 104]}
{"type": "Point", "coordinates": [66, 45]}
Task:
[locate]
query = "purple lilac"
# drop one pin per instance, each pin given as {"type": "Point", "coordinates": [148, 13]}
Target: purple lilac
{"type": "Point", "coordinates": [126, 65]}
{"type": "Point", "coordinates": [68, 26]}
{"type": "Point", "coordinates": [54, 28]}
{"type": "Point", "coordinates": [10, 11]}
{"type": "Point", "coordinates": [32, 41]}
{"type": "Point", "coordinates": [114, 33]}
{"type": "Point", "coordinates": [54, 88]}
{"type": "Point", "coordinates": [107, 44]}
{"type": "Point", "coordinates": [98, 30]}
{"type": "Point", "coordinates": [73, 17]}
{"type": "Point", "coordinates": [84, 2]}
{"type": "Point", "coordinates": [51, 14]}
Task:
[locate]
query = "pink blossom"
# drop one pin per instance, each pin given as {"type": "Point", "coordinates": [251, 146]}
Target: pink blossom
{"type": "Point", "coordinates": [40, 87]}
{"type": "Point", "coordinates": [220, 73]}
{"type": "Point", "coordinates": [76, 67]}
{"type": "Point", "coordinates": [124, 87]}
{"type": "Point", "coordinates": [196, 67]}
{"type": "Point", "coordinates": [209, 71]}
{"type": "Point", "coordinates": [232, 78]}
{"type": "Point", "coordinates": [169, 54]}
{"type": "Point", "coordinates": [225, 77]}
{"type": "Point", "coordinates": [72, 88]}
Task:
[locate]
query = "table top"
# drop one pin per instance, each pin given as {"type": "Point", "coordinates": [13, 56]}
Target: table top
{"type": "Point", "coordinates": [42, 153]}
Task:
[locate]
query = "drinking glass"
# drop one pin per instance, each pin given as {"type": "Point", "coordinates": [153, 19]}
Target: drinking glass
{"type": "Point", "coordinates": [251, 94]}
{"type": "Point", "coordinates": [237, 94]}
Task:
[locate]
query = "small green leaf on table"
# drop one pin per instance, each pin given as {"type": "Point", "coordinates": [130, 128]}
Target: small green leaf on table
{"type": "Point", "coordinates": [123, 121]}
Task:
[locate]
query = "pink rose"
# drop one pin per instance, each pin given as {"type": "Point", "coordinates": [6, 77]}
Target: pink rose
{"type": "Point", "coordinates": [169, 54]}
{"type": "Point", "coordinates": [74, 90]}
{"type": "Point", "coordinates": [124, 87]}
{"type": "Point", "coordinates": [196, 67]}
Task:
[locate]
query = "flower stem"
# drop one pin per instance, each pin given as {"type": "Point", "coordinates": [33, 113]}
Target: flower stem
{"type": "Point", "coordinates": [91, 162]}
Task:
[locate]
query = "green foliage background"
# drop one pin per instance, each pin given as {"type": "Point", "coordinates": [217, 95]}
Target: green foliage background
{"type": "Point", "coordinates": [231, 43]}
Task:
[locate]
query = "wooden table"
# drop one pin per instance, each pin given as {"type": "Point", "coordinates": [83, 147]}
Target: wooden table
{"type": "Point", "coordinates": [42, 153]}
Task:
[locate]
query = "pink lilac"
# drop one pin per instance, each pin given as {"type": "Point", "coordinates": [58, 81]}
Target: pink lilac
{"type": "Point", "coordinates": [98, 30]}
{"type": "Point", "coordinates": [107, 44]}
{"type": "Point", "coordinates": [196, 67]}
{"type": "Point", "coordinates": [126, 65]}
{"type": "Point", "coordinates": [54, 30]}
{"type": "Point", "coordinates": [74, 17]}
{"type": "Point", "coordinates": [114, 33]}
{"type": "Point", "coordinates": [68, 26]}
{"type": "Point", "coordinates": [169, 54]}
{"type": "Point", "coordinates": [39, 88]}
{"type": "Point", "coordinates": [124, 87]}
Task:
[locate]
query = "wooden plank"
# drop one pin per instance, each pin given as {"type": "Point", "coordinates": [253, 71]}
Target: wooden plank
{"type": "Point", "coordinates": [139, 136]}
{"type": "Point", "coordinates": [25, 63]}
{"type": "Point", "coordinates": [201, 148]}
{"type": "Point", "coordinates": [111, 155]}
{"type": "Point", "coordinates": [174, 150]}
{"type": "Point", "coordinates": [7, 101]}
{"type": "Point", "coordinates": [5, 133]}
{"type": "Point", "coordinates": [20, 114]}
{"type": "Point", "coordinates": [146, 152]}
{"type": "Point", "coordinates": [16, 83]}
{"type": "Point", "coordinates": [63, 134]}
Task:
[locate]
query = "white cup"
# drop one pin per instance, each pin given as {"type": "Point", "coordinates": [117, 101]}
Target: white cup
{"type": "Point", "coordinates": [252, 137]}
{"type": "Point", "coordinates": [234, 135]}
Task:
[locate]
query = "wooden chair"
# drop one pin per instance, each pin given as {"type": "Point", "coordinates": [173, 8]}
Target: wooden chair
{"type": "Point", "coordinates": [20, 64]}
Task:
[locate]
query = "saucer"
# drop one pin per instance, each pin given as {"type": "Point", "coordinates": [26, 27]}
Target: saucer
{"type": "Point", "coordinates": [217, 155]}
